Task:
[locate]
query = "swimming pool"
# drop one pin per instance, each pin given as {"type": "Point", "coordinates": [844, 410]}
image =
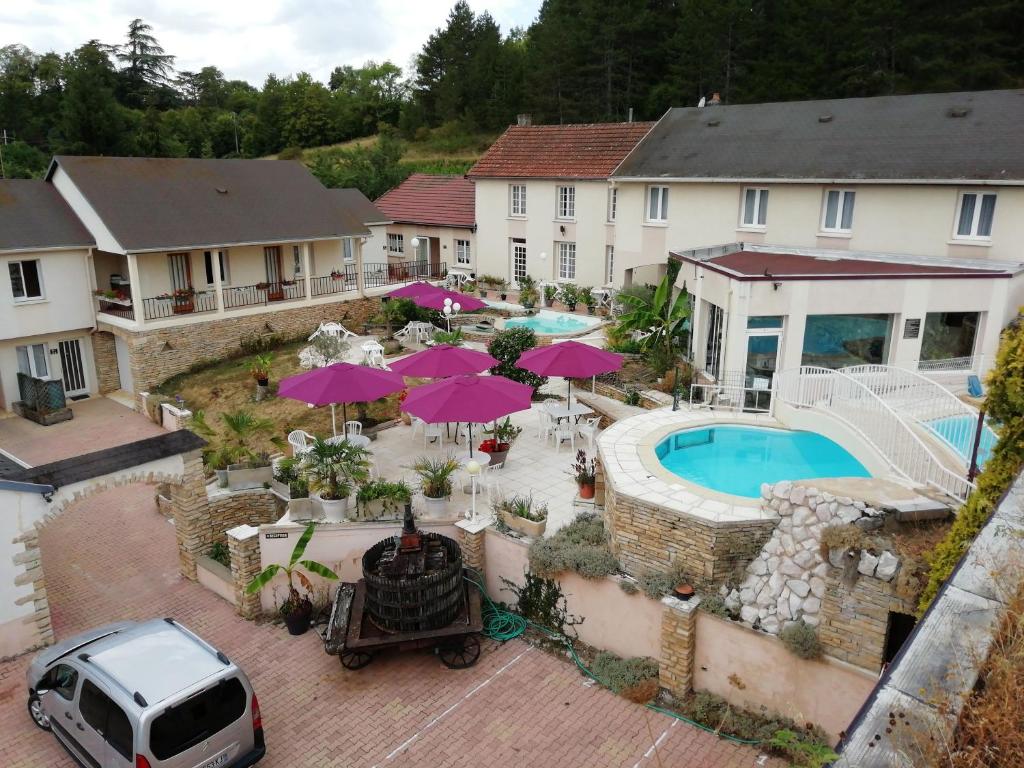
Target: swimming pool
{"type": "Point", "coordinates": [736, 459]}
{"type": "Point", "coordinates": [959, 432]}
{"type": "Point", "coordinates": [553, 323]}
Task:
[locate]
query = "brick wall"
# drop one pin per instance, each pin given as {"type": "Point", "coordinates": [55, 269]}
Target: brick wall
{"type": "Point", "coordinates": [244, 546]}
{"type": "Point", "coordinates": [156, 355]}
{"type": "Point", "coordinates": [105, 355]}
{"type": "Point", "coordinates": [649, 537]}
{"type": "Point", "coordinates": [678, 644]}
{"type": "Point", "coordinates": [472, 543]}
{"type": "Point", "coordinates": [854, 619]}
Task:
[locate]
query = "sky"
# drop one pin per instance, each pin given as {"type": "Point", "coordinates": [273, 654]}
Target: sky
{"type": "Point", "coordinates": [248, 39]}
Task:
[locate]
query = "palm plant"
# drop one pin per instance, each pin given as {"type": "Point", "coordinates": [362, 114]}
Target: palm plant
{"type": "Point", "coordinates": [392, 312]}
{"type": "Point", "coordinates": [236, 442]}
{"type": "Point", "coordinates": [663, 316]}
{"type": "Point", "coordinates": [436, 475]}
{"type": "Point", "coordinates": [332, 469]}
{"type": "Point", "coordinates": [295, 601]}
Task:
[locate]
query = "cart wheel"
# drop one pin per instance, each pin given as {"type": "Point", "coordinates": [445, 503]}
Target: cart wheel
{"type": "Point", "coordinates": [461, 653]}
{"type": "Point", "coordinates": [355, 659]}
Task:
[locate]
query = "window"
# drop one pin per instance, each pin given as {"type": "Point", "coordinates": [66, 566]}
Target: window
{"type": "Point", "coordinates": [838, 214]}
{"type": "Point", "coordinates": [33, 360]}
{"type": "Point", "coordinates": [26, 280]}
{"type": "Point", "coordinates": [518, 259]}
{"type": "Point", "coordinates": [566, 202]}
{"type": "Point", "coordinates": [222, 259]}
{"type": "Point", "coordinates": [835, 341]}
{"type": "Point", "coordinates": [396, 243]}
{"type": "Point", "coordinates": [180, 266]}
{"type": "Point", "coordinates": [657, 204]}
{"type": "Point", "coordinates": [974, 217]}
{"type": "Point", "coordinates": [107, 719]}
{"type": "Point", "coordinates": [62, 680]}
{"type": "Point", "coordinates": [755, 207]}
{"type": "Point", "coordinates": [613, 202]}
{"type": "Point", "coordinates": [949, 335]}
{"type": "Point", "coordinates": [348, 251]}
{"type": "Point", "coordinates": [297, 261]}
{"type": "Point", "coordinates": [609, 262]}
{"type": "Point", "coordinates": [761, 322]}
{"type": "Point", "coordinates": [462, 252]}
{"type": "Point", "coordinates": [189, 722]}
{"type": "Point", "coordinates": [517, 200]}
{"type": "Point", "coordinates": [567, 261]}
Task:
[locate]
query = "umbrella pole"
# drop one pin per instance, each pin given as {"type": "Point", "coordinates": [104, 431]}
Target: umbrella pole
{"type": "Point", "coordinates": [334, 422]}
{"type": "Point", "coordinates": [471, 439]}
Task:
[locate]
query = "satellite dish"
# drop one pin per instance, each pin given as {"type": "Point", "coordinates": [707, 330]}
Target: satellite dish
{"type": "Point", "coordinates": [701, 102]}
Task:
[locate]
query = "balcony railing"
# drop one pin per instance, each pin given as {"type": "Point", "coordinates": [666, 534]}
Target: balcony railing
{"type": "Point", "coordinates": [122, 308]}
{"type": "Point", "coordinates": [377, 275]}
{"type": "Point", "coordinates": [339, 281]}
{"type": "Point", "coordinates": [172, 305]}
{"type": "Point", "coordinates": [263, 293]}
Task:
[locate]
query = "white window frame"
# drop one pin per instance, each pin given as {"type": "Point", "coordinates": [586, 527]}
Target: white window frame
{"type": "Point", "coordinates": [609, 263]}
{"type": "Point", "coordinates": [518, 244]}
{"type": "Point", "coordinates": [842, 196]}
{"type": "Point", "coordinates": [396, 239]}
{"type": "Point", "coordinates": [348, 252]}
{"type": "Point", "coordinates": [29, 351]}
{"type": "Point", "coordinates": [19, 263]}
{"type": "Point", "coordinates": [979, 196]}
{"type": "Point", "coordinates": [463, 255]}
{"type": "Point", "coordinates": [760, 208]}
{"type": "Point", "coordinates": [565, 202]}
{"type": "Point", "coordinates": [517, 200]}
{"type": "Point", "coordinates": [297, 261]}
{"type": "Point", "coordinates": [567, 261]}
{"type": "Point", "coordinates": [656, 199]}
{"type": "Point", "coordinates": [222, 259]}
{"type": "Point", "coordinates": [613, 203]}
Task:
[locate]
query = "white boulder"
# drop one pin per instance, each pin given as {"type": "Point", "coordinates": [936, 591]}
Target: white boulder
{"type": "Point", "coordinates": [867, 564]}
{"type": "Point", "coordinates": [812, 605]}
{"type": "Point", "coordinates": [748, 613]}
{"type": "Point", "coordinates": [887, 566]}
{"type": "Point", "coordinates": [801, 588]}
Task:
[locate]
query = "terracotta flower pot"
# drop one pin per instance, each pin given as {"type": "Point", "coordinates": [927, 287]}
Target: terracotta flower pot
{"type": "Point", "coordinates": [586, 490]}
{"type": "Point", "coordinates": [683, 591]}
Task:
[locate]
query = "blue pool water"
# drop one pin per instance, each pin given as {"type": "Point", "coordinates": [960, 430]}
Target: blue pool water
{"type": "Point", "coordinates": [551, 323]}
{"type": "Point", "coordinates": [736, 459]}
{"type": "Point", "coordinates": [958, 431]}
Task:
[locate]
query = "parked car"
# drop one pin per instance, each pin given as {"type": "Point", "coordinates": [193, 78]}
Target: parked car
{"type": "Point", "coordinates": [146, 695]}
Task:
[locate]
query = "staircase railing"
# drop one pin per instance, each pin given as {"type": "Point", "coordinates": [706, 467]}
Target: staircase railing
{"type": "Point", "coordinates": [847, 399]}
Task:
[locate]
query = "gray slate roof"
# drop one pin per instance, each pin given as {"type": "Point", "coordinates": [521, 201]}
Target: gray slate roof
{"type": "Point", "coordinates": [359, 205]}
{"type": "Point", "coordinates": [33, 215]}
{"type": "Point", "coordinates": [888, 137]}
{"type": "Point", "coordinates": [168, 203]}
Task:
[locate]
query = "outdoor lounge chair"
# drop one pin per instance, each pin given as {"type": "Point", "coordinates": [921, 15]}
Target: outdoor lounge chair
{"type": "Point", "coordinates": [300, 442]}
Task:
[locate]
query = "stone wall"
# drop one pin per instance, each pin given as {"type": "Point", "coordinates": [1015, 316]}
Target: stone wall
{"type": "Point", "coordinates": [244, 547]}
{"type": "Point", "coordinates": [678, 644]}
{"type": "Point", "coordinates": [31, 561]}
{"type": "Point", "coordinates": [158, 354]}
{"type": "Point", "coordinates": [105, 353]}
{"type": "Point", "coordinates": [648, 537]}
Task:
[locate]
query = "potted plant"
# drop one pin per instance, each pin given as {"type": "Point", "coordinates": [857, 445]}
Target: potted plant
{"type": "Point", "coordinates": [550, 294]}
{"type": "Point", "coordinates": [586, 295]}
{"type": "Point", "coordinates": [501, 290]}
{"type": "Point", "coordinates": [527, 292]}
{"type": "Point", "coordinates": [503, 434]}
{"type": "Point", "coordinates": [584, 471]}
{"type": "Point", "coordinates": [520, 514]}
{"type": "Point", "coordinates": [569, 295]}
{"type": "Point", "coordinates": [683, 591]}
{"type": "Point", "coordinates": [234, 450]}
{"type": "Point", "coordinates": [332, 469]}
{"type": "Point", "coordinates": [296, 609]}
{"type": "Point", "coordinates": [381, 499]}
{"type": "Point", "coordinates": [406, 418]}
{"type": "Point", "coordinates": [289, 481]}
{"type": "Point", "coordinates": [183, 301]}
{"type": "Point", "coordinates": [435, 482]}
{"type": "Point", "coordinates": [259, 369]}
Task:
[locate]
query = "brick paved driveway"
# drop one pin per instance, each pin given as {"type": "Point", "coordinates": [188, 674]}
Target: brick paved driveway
{"type": "Point", "coordinates": [114, 557]}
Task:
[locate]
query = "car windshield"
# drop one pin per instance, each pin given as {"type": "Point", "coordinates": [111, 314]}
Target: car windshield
{"type": "Point", "coordinates": [199, 717]}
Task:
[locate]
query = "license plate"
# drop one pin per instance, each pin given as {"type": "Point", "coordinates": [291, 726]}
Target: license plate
{"type": "Point", "coordinates": [218, 761]}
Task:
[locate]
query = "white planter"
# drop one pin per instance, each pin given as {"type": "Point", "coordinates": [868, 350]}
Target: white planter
{"type": "Point", "coordinates": [303, 510]}
{"type": "Point", "coordinates": [435, 509]}
{"type": "Point", "coordinates": [242, 479]}
{"type": "Point", "coordinates": [333, 509]}
{"type": "Point", "coordinates": [381, 509]}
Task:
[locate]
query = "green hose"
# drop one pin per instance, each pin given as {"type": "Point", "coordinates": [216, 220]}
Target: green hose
{"type": "Point", "coordinates": [502, 625]}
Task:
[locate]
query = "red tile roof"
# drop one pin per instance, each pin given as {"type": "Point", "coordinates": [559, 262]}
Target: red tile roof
{"type": "Point", "coordinates": [560, 151]}
{"type": "Point", "coordinates": [443, 201]}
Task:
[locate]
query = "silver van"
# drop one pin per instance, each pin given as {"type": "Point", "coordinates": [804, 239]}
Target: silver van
{"type": "Point", "coordinates": [146, 695]}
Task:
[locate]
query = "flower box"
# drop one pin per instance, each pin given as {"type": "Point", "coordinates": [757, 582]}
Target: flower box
{"type": "Point", "coordinates": [534, 529]}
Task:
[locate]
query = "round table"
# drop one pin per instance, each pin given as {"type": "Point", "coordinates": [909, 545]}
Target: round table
{"type": "Point", "coordinates": [358, 440]}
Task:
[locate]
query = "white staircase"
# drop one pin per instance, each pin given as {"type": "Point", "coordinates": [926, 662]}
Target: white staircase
{"type": "Point", "coordinates": [850, 400]}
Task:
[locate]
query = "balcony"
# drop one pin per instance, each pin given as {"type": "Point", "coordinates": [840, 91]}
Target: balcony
{"type": "Point", "coordinates": [393, 273]}
{"type": "Point", "coordinates": [262, 294]}
{"type": "Point", "coordinates": [185, 302]}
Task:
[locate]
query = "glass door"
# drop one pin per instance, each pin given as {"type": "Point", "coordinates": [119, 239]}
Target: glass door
{"type": "Point", "coordinates": [518, 259]}
{"type": "Point", "coordinates": [764, 335]}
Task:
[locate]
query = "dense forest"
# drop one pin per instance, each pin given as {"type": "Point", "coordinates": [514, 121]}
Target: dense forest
{"type": "Point", "coordinates": [581, 60]}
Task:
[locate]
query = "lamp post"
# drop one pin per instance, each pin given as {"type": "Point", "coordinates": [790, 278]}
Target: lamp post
{"type": "Point", "coordinates": [474, 469]}
{"type": "Point", "coordinates": [543, 256]}
{"type": "Point", "coordinates": [415, 243]}
{"type": "Point", "coordinates": [450, 310]}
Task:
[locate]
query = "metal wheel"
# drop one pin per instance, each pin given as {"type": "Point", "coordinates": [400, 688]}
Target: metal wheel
{"type": "Point", "coordinates": [37, 713]}
{"type": "Point", "coordinates": [461, 653]}
{"type": "Point", "coordinates": [355, 659]}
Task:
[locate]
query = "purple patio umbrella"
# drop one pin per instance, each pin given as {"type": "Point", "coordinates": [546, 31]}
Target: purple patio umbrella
{"type": "Point", "coordinates": [468, 398]}
{"type": "Point", "coordinates": [571, 359]}
{"type": "Point", "coordinates": [413, 289]}
{"type": "Point", "coordinates": [340, 383]}
{"type": "Point", "coordinates": [435, 300]}
{"type": "Point", "coordinates": [443, 360]}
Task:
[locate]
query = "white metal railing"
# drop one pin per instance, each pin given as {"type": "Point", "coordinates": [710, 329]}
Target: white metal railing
{"type": "Point", "coordinates": [948, 364]}
{"type": "Point", "coordinates": [732, 390]}
{"type": "Point", "coordinates": [945, 416]}
{"type": "Point", "coordinates": [845, 398]}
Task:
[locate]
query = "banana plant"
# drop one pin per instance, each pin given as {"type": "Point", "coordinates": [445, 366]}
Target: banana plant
{"type": "Point", "coordinates": [663, 317]}
{"type": "Point", "coordinates": [292, 570]}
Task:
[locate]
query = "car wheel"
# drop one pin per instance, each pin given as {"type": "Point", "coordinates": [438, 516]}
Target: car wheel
{"type": "Point", "coordinates": [37, 713]}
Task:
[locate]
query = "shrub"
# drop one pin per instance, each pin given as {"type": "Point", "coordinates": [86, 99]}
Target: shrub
{"type": "Point", "coordinates": [715, 605]}
{"type": "Point", "coordinates": [628, 586]}
{"type": "Point", "coordinates": [219, 552]}
{"type": "Point", "coordinates": [804, 752]}
{"type": "Point", "coordinates": [506, 347]}
{"type": "Point", "coordinates": [801, 640]}
{"type": "Point", "coordinates": [716, 713]}
{"type": "Point", "coordinates": [290, 153]}
{"type": "Point", "coordinates": [541, 601]}
{"type": "Point", "coordinates": [657, 584]}
{"type": "Point", "coordinates": [581, 547]}
{"type": "Point", "coordinates": [842, 538]}
{"type": "Point", "coordinates": [632, 397]}
{"type": "Point", "coordinates": [623, 674]}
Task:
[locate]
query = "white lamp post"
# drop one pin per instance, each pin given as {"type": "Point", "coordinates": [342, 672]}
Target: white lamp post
{"type": "Point", "coordinates": [415, 242]}
{"type": "Point", "coordinates": [450, 310]}
{"type": "Point", "coordinates": [543, 256]}
{"type": "Point", "coordinates": [474, 469]}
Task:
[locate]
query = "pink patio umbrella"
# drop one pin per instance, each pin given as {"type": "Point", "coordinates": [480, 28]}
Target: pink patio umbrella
{"type": "Point", "coordinates": [413, 289]}
{"type": "Point", "coordinates": [474, 399]}
{"type": "Point", "coordinates": [435, 300]}
{"type": "Point", "coordinates": [571, 359]}
{"type": "Point", "coordinates": [443, 360]}
{"type": "Point", "coordinates": [340, 383]}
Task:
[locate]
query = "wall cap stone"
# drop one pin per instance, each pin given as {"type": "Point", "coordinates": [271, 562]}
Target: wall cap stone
{"type": "Point", "coordinates": [681, 606]}
{"type": "Point", "coordinates": [243, 532]}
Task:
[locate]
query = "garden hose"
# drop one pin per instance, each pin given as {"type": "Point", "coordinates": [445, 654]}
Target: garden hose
{"type": "Point", "coordinates": [502, 624]}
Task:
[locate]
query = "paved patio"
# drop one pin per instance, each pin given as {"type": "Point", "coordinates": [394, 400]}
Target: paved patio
{"type": "Point", "coordinates": [113, 556]}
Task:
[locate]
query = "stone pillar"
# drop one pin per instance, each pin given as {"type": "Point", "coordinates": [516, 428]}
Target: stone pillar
{"type": "Point", "coordinates": [104, 352]}
{"type": "Point", "coordinates": [244, 547]}
{"type": "Point", "coordinates": [678, 644]}
{"type": "Point", "coordinates": [190, 509]}
{"type": "Point", "coordinates": [599, 482]}
{"type": "Point", "coordinates": [472, 541]}
{"type": "Point", "coordinates": [31, 561]}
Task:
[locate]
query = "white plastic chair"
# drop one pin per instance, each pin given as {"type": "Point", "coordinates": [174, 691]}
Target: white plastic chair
{"type": "Point", "coordinates": [353, 428]}
{"type": "Point", "coordinates": [332, 329]}
{"type": "Point", "coordinates": [300, 442]}
{"type": "Point", "coordinates": [488, 480]}
{"type": "Point", "coordinates": [431, 432]}
{"type": "Point", "coordinates": [417, 425]}
{"type": "Point", "coordinates": [589, 430]}
{"type": "Point", "coordinates": [478, 432]}
{"type": "Point", "coordinates": [562, 431]}
{"type": "Point", "coordinates": [545, 423]}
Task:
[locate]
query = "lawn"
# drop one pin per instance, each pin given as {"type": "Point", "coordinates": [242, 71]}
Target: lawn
{"type": "Point", "coordinates": [227, 386]}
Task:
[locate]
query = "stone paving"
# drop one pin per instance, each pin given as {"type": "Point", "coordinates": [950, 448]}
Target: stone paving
{"type": "Point", "coordinates": [113, 556]}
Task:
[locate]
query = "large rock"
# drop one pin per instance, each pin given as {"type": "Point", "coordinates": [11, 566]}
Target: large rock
{"type": "Point", "coordinates": [782, 489]}
{"type": "Point", "coordinates": [783, 608]}
{"type": "Point", "coordinates": [804, 559]}
{"type": "Point", "coordinates": [804, 516]}
{"type": "Point", "coordinates": [759, 567]}
{"type": "Point", "coordinates": [798, 494]}
{"type": "Point", "coordinates": [867, 565]}
{"type": "Point", "coordinates": [887, 566]}
{"type": "Point", "coordinates": [773, 563]}
{"type": "Point", "coordinates": [748, 613]}
{"type": "Point", "coordinates": [823, 513]}
{"type": "Point", "coordinates": [796, 605]}
{"type": "Point", "coordinates": [766, 491]}
{"type": "Point", "coordinates": [776, 581]}
{"type": "Point", "coordinates": [837, 557]}
{"type": "Point", "coordinates": [848, 513]}
{"type": "Point", "coordinates": [812, 605]}
{"type": "Point", "coordinates": [770, 625]}
{"type": "Point", "coordinates": [764, 599]}
{"type": "Point", "coordinates": [817, 586]}
{"type": "Point", "coordinates": [732, 601]}
{"type": "Point", "coordinates": [788, 544]}
{"type": "Point", "coordinates": [747, 595]}
{"type": "Point", "coordinates": [789, 568]}
{"type": "Point", "coordinates": [812, 619]}
{"type": "Point", "coordinates": [799, 587]}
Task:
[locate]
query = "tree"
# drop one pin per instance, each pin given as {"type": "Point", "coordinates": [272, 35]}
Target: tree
{"type": "Point", "coordinates": [506, 347]}
{"type": "Point", "coordinates": [372, 169]}
{"type": "Point", "coordinates": [146, 67]}
{"type": "Point", "coordinates": [91, 119]}
{"type": "Point", "coordinates": [306, 113]}
{"type": "Point", "coordinates": [663, 317]}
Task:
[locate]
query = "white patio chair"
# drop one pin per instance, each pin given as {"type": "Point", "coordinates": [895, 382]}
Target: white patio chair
{"type": "Point", "coordinates": [478, 432]}
{"type": "Point", "coordinates": [403, 333]}
{"type": "Point", "coordinates": [489, 480]}
{"type": "Point", "coordinates": [332, 329]}
{"type": "Point", "coordinates": [545, 423]}
{"type": "Point", "coordinates": [300, 442]}
{"type": "Point", "coordinates": [432, 432]}
{"type": "Point", "coordinates": [589, 430]}
{"type": "Point", "coordinates": [562, 431]}
{"type": "Point", "coordinates": [417, 425]}
{"type": "Point", "coordinates": [353, 428]}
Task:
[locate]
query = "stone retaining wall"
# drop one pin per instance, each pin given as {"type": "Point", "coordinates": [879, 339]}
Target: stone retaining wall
{"type": "Point", "coordinates": [855, 619]}
{"type": "Point", "coordinates": [104, 353]}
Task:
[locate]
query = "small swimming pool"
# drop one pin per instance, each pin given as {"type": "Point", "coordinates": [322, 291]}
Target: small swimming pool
{"type": "Point", "coordinates": [959, 432]}
{"type": "Point", "coordinates": [736, 459]}
{"type": "Point", "coordinates": [553, 323]}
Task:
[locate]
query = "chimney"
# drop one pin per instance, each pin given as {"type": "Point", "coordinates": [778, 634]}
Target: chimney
{"type": "Point", "coordinates": [715, 99]}
{"type": "Point", "coordinates": [524, 119]}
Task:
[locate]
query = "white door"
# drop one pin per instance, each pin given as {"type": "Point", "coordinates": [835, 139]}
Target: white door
{"type": "Point", "coordinates": [72, 368]}
{"type": "Point", "coordinates": [124, 369]}
{"type": "Point", "coordinates": [518, 259]}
